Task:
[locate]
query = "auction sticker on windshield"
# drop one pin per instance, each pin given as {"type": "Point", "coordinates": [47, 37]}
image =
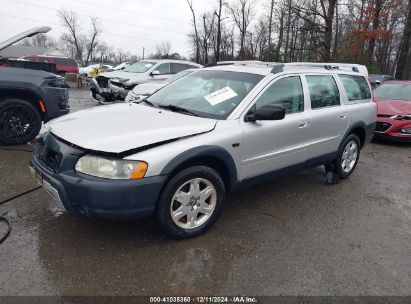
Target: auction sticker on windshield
{"type": "Point", "coordinates": [220, 96]}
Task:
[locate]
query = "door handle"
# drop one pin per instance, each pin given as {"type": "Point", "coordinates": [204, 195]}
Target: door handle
{"type": "Point", "coordinates": [303, 124]}
{"type": "Point", "coordinates": [343, 116]}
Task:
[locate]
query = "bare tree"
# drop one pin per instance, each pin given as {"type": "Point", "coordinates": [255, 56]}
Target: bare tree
{"type": "Point", "coordinates": [241, 12]}
{"type": "Point", "coordinates": [404, 60]}
{"type": "Point", "coordinates": [40, 40]}
{"type": "Point", "coordinates": [196, 37]}
{"type": "Point", "coordinates": [163, 48]}
{"type": "Point", "coordinates": [70, 21]}
{"type": "Point", "coordinates": [218, 14]}
{"type": "Point", "coordinates": [92, 41]}
{"type": "Point", "coordinates": [207, 31]}
{"type": "Point", "coordinates": [80, 44]}
{"type": "Point", "coordinates": [270, 28]}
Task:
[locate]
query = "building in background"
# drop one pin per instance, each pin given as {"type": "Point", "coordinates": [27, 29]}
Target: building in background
{"type": "Point", "coordinates": [18, 51]}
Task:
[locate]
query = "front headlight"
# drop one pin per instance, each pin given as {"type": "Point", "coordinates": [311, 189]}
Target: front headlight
{"type": "Point", "coordinates": [111, 168]}
{"type": "Point", "coordinates": [55, 81]}
{"type": "Point", "coordinates": [401, 117]}
{"type": "Point", "coordinates": [406, 131]}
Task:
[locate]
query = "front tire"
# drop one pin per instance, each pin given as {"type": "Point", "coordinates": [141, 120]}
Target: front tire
{"type": "Point", "coordinates": [190, 202]}
{"type": "Point", "coordinates": [348, 156]}
{"type": "Point", "coordinates": [20, 122]}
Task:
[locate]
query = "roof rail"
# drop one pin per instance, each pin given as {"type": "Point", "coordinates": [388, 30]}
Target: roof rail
{"type": "Point", "coordinates": [328, 66]}
{"type": "Point", "coordinates": [211, 64]}
{"type": "Point", "coordinates": [234, 62]}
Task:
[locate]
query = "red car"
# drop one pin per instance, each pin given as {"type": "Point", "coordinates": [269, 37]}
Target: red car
{"type": "Point", "coordinates": [393, 100]}
{"type": "Point", "coordinates": [63, 64]}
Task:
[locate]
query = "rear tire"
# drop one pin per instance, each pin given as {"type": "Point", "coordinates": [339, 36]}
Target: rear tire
{"type": "Point", "coordinates": [348, 156]}
{"type": "Point", "coordinates": [20, 121]}
{"type": "Point", "coordinates": [191, 202]}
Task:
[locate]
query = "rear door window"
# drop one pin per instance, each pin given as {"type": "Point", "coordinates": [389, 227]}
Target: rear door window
{"type": "Point", "coordinates": [323, 91]}
{"type": "Point", "coordinates": [178, 67]}
{"type": "Point", "coordinates": [356, 87]}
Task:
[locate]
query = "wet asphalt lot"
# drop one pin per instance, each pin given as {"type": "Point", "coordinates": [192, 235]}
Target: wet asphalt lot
{"type": "Point", "coordinates": [292, 236]}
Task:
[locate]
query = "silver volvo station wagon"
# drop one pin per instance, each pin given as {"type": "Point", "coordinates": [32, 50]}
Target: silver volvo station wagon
{"type": "Point", "coordinates": [179, 152]}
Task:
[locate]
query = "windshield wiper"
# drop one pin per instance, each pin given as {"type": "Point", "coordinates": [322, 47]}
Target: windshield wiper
{"type": "Point", "coordinates": [175, 108]}
{"type": "Point", "coordinates": [147, 102]}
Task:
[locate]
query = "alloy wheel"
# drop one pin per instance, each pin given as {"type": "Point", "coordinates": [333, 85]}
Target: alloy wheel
{"type": "Point", "coordinates": [349, 156]}
{"type": "Point", "coordinates": [193, 203]}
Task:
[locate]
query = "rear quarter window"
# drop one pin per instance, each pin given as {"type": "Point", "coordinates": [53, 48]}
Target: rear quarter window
{"type": "Point", "coordinates": [356, 87]}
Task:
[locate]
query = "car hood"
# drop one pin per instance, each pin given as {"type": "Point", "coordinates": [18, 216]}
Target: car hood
{"type": "Point", "coordinates": [393, 107]}
{"type": "Point", "coordinates": [29, 33]}
{"type": "Point", "coordinates": [148, 87]}
{"type": "Point", "coordinates": [123, 127]}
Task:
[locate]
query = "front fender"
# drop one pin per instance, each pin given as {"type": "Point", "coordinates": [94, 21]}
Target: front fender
{"type": "Point", "coordinates": [216, 152]}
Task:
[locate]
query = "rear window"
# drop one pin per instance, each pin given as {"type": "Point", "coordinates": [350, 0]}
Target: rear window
{"type": "Point", "coordinates": [64, 61]}
{"type": "Point", "coordinates": [356, 87]}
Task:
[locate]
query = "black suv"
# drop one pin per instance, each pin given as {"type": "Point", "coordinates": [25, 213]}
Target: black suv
{"type": "Point", "coordinates": [28, 95]}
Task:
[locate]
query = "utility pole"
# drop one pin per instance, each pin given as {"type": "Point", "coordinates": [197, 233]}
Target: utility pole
{"type": "Point", "coordinates": [143, 52]}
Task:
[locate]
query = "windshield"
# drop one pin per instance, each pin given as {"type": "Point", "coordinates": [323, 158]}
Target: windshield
{"type": "Point", "coordinates": [179, 75]}
{"type": "Point", "coordinates": [394, 91]}
{"type": "Point", "coordinates": [139, 67]}
{"type": "Point", "coordinates": [374, 77]}
{"type": "Point", "coordinates": [213, 94]}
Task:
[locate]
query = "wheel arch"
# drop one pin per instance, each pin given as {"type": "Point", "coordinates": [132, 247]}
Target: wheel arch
{"type": "Point", "coordinates": [32, 97]}
{"type": "Point", "coordinates": [214, 157]}
{"type": "Point", "coordinates": [359, 129]}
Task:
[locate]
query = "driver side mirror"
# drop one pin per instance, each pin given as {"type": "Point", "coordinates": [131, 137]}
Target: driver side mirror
{"type": "Point", "coordinates": [267, 112]}
{"type": "Point", "coordinates": [155, 73]}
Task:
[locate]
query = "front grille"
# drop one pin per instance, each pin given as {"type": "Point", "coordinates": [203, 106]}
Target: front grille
{"type": "Point", "coordinates": [117, 84]}
{"type": "Point", "coordinates": [384, 115]}
{"type": "Point", "coordinates": [102, 81]}
{"type": "Point", "coordinates": [382, 126]}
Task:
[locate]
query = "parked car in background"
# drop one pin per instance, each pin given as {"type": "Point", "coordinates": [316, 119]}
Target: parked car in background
{"type": "Point", "coordinates": [28, 97]}
{"type": "Point", "coordinates": [177, 154]}
{"type": "Point", "coordinates": [146, 89]}
{"type": "Point", "coordinates": [393, 100]}
{"type": "Point", "coordinates": [377, 79]}
{"type": "Point", "coordinates": [108, 87]}
{"type": "Point", "coordinates": [94, 69]}
{"type": "Point", "coordinates": [63, 64]}
{"type": "Point", "coordinates": [120, 66]}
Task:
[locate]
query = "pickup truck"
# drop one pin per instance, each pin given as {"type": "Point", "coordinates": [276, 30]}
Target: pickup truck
{"type": "Point", "coordinates": [29, 95]}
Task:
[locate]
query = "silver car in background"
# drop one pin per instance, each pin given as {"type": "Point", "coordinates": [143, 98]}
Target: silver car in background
{"type": "Point", "coordinates": [146, 89]}
{"type": "Point", "coordinates": [110, 86]}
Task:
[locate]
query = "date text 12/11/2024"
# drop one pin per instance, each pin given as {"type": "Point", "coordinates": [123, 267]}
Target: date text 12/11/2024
{"type": "Point", "coordinates": [204, 299]}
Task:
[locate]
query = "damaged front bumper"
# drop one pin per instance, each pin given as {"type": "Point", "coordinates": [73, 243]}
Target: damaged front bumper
{"type": "Point", "coordinates": [52, 165]}
{"type": "Point", "coordinates": [110, 92]}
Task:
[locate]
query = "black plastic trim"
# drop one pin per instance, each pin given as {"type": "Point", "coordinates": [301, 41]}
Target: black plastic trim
{"type": "Point", "coordinates": [311, 163]}
{"type": "Point", "coordinates": [277, 69]}
{"type": "Point", "coordinates": [204, 151]}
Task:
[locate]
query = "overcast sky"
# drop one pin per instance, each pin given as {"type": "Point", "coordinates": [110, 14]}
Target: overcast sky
{"type": "Point", "coordinates": [150, 21]}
